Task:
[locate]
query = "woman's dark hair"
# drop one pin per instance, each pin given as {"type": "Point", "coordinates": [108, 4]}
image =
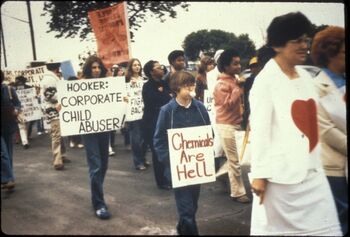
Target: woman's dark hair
{"type": "Point", "coordinates": [181, 79]}
{"type": "Point", "coordinates": [148, 67]}
{"type": "Point", "coordinates": [287, 27]}
{"type": "Point", "coordinates": [225, 58]}
{"type": "Point", "coordinates": [326, 44]}
{"type": "Point", "coordinates": [129, 71]}
{"type": "Point", "coordinates": [87, 68]}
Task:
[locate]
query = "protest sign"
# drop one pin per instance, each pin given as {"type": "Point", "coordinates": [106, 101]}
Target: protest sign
{"type": "Point", "coordinates": [67, 69]}
{"type": "Point", "coordinates": [135, 104]}
{"type": "Point", "coordinates": [30, 105]}
{"type": "Point", "coordinates": [111, 29]}
{"type": "Point", "coordinates": [209, 104]}
{"type": "Point", "coordinates": [34, 75]}
{"type": "Point", "coordinates": [191, 155]}
{"type": "Point", "coordinates": [91, 105]}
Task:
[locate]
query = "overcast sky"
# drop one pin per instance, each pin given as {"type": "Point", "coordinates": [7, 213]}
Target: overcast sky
{"type": "Point", "coordinates": [154, 40]}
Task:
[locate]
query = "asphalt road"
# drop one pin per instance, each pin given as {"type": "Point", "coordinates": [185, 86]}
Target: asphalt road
{"type": "Point", "coordinates": [50, 202]}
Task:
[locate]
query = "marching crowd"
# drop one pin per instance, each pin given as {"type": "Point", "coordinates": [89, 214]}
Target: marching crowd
{"type": "Point", "coordinates": [297, 124]}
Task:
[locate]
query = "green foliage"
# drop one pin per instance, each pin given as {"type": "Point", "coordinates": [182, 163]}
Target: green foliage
{"type": "Point", "coordinates": [70, 18]}
{"type": "Point", "coordinates": [210, 41]}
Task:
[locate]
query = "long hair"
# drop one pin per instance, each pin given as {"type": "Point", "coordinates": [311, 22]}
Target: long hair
{"type": "Point", "coordinates": [129, 71]}
{"type": "Point", "coordinates": [87, 68]}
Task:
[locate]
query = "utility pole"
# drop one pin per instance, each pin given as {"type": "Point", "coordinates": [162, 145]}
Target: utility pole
{"type": "Point", "coordinates": [31, 29]}
{"type": "Point", "coordinates": [3, 42]}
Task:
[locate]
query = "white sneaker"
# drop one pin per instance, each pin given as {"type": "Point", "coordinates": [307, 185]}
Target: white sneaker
{"type": "Point", "coordinates": [111, 153]}
{"type": "Point", "coordinates": [80, 145]}
{"type": "Point", "coordinates": [71, 145]}
{"type": "Point", "coordinates": [39, 133]}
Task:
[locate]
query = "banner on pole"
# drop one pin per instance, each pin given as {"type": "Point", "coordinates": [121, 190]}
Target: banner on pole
{"type": "Point", "coordinates": [30, 105]}
{"type": "Point", "coordinates": [91, 105]}
{"type": "Point", "coordinates": [191, 155]}
{"type": "Point", "coordinates": [110, 26]}
{"type": "Point", "coordinates": [135, 105]}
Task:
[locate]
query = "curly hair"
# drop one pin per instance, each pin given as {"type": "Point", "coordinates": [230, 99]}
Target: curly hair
{"type": "Point", "coordinates": [87, 69]}
{"type": "Point", "coordinates": [326, 44]}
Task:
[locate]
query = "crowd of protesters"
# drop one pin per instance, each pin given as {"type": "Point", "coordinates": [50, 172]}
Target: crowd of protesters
{"type": "Point", "coordinates": [298, 136]}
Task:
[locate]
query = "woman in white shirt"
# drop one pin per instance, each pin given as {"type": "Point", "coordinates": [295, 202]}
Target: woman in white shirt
{"type": "Point", "coordinates": [292, 195]}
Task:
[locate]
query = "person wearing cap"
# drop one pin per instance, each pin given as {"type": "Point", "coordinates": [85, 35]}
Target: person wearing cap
{"type": "Point", "coordinates": [212, 75]}
{"type": "Point", "coordinates": [176, 60]}
{"type": "Point", "coordinates": [254, 69]}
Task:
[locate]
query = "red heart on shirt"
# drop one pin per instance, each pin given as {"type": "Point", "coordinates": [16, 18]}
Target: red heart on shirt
{"type": "Point", "coordinates": [304, 114]}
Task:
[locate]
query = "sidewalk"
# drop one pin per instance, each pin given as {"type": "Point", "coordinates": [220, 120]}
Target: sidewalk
{"type": "Point", "coordinates": [50, 202]}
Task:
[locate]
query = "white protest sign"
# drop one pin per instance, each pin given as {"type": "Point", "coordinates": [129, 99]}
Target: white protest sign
{"type": "Point", "coordinates": [191, 155]}
{"type": "Point", "coordinates": [34, 75]}
{"type": "Point", "coordinates": [91, 105]}
{"type": "Point", "coordinates": [30, 105]}
{"type": "Point", "coordinates": [209, 105]}
{"type": "Point", "coordinates": [135, 104]}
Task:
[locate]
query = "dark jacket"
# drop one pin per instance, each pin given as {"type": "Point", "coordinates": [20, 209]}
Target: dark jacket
{"type": "Point", "coordinates": [8, 107]}
{"type": "Point", "coordinates": [172, 115]}
{"type": "Point", "coordinates": [154, 95]}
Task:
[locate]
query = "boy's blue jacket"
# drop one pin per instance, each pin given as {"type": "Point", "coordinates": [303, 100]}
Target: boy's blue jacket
{"type": "Point", "coordinates": [172, 115]}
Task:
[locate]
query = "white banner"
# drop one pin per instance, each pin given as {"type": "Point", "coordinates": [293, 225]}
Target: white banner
{"type": "Point", "coordinates": [135, 105]}
{"type": "Point", "coordinates": [191, 155]}
{"type": "Point", "coordinates": [91, 105]}
{"type": "Point", "coordinates": [30, 105]}
{"type": "Point", "coordinates": [34, 75]}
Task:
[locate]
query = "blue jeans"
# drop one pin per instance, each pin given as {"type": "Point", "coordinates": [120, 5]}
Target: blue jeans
{"type": "Point", "coordinates": [138, 146]}
{"type": "Point", "coordinates": [96, 147]}
{"type": "Point", "coordinates": [187, 202]}
{"type": "Point", "coordinates": [6, 159]}
{"type": "Point", "coordinates": [339, 189]}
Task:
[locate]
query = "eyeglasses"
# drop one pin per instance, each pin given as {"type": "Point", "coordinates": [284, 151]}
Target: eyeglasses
{"type": "Point", "coordinates": [159, 67]}
{"type": "Point", "coordinates": [300, 40]}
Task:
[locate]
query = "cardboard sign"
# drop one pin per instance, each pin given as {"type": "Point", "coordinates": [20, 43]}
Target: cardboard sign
{"type": "Point", "coordinates": [34, 75]}
{"type": "Point", "coordinates": [91, 105]}
{"type": "Point", "coordinates": [110, 26]}
{"type": "Point", "coordinates": [30, 105]}
{"type": "Point", "coordinates": [135, 105]}
{"type": "Point", "coordinates": [191, 155]}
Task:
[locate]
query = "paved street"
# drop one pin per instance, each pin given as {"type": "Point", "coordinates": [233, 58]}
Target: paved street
{"type": "Point", "coordinates": [50, 202]}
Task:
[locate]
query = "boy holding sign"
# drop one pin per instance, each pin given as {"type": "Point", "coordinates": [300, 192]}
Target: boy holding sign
{"type": "Point", "coordinates": [182, 112]}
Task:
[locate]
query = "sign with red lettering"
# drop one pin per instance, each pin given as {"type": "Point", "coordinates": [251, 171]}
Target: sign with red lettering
{"type": "Point", "coordinates": [191, 155]}
{"type": "Point", "coordinates": [111, 29]}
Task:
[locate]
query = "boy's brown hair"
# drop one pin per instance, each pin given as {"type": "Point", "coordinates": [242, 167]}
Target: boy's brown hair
{"type": "Point", "coordinates": [181, 79]}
